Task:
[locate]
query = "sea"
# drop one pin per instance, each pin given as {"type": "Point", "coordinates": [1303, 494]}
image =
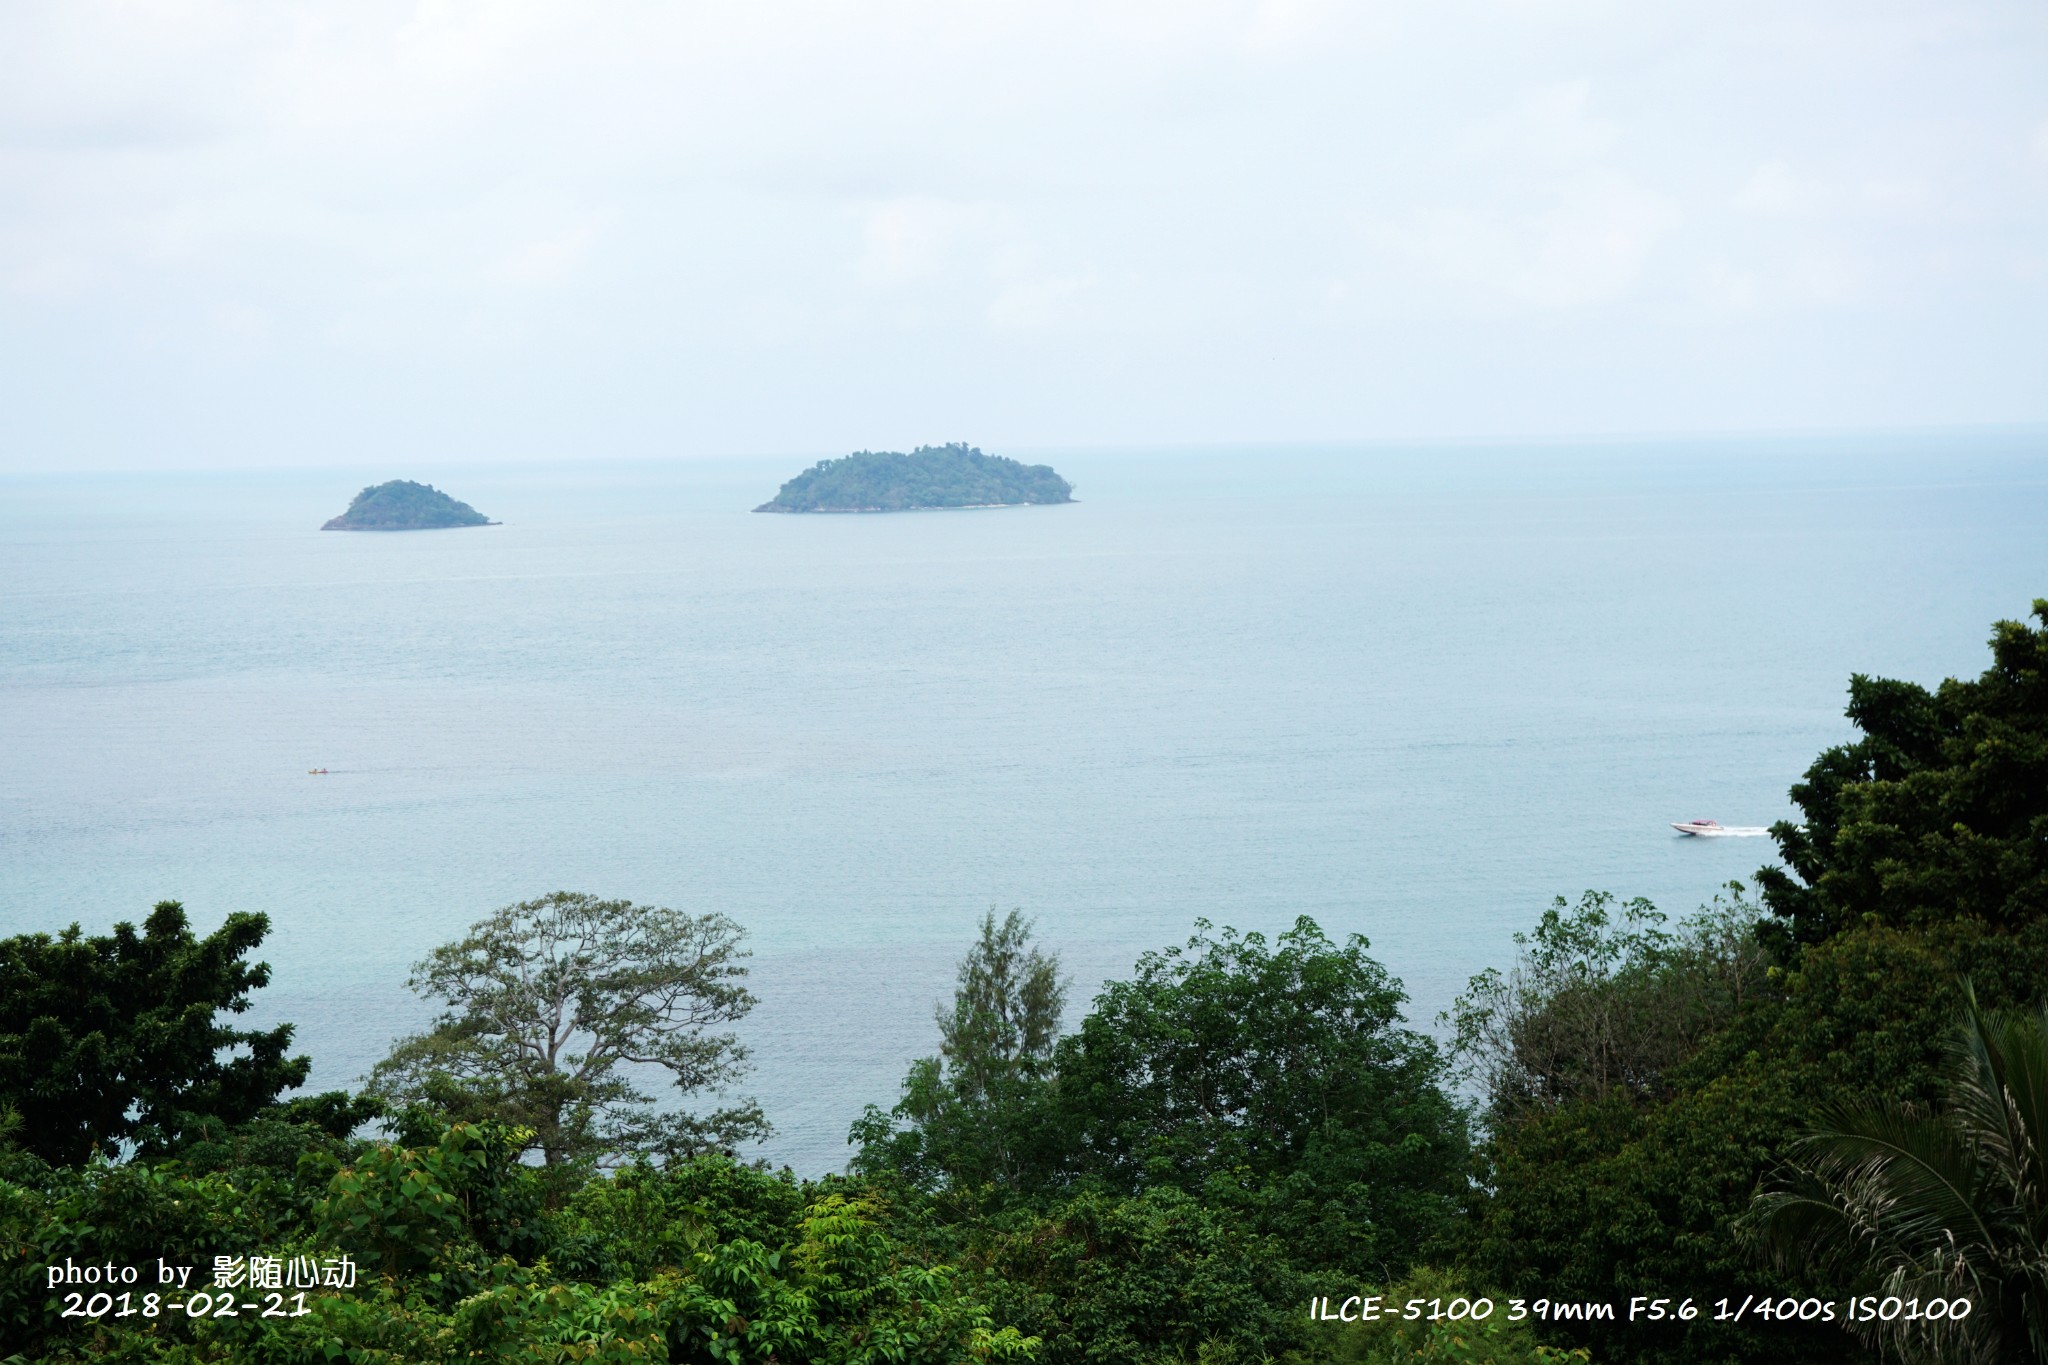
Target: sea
{"type": "Point", "coordinates": [1413, 692]}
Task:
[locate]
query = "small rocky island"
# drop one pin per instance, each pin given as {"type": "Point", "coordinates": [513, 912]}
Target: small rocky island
{"type": "Point", "coordinates": [928, 477]}
{"type": "Point", "coordinates": [402, 505]}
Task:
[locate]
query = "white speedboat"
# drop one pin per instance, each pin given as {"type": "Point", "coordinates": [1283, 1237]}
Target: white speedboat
{"type": "Point", "coordinates": [1700, 827]}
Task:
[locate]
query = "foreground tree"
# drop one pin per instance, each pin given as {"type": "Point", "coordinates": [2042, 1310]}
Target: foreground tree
{"type": "Point", "coordinates": [972, 1117]}
{"type": "Point", "coordinates": [550, 1002]}
{"type": "Point", "coordinates": [1920, 861]}
{"type": "Point", "coordinates": [1276, 1081]}
{"type": "Point", "coordinates": [1603, 1002]}
{"type": "Point", "coordinates": [458, 1258]}
{"type": "Point", "coordinates": [113, 1040]}
{"type": "Point", "coordinates": [1939, 812]}
{"type": "Point", "coordinates": [1926, 1205]}
{"type": "Point", "coordinates": [1616, 1153]}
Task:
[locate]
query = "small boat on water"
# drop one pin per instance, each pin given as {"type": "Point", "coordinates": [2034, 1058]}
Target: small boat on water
{"type": "Point", "coordinates": [1705, 828]}
{"type": "Point", "coordinates": [316, 772]}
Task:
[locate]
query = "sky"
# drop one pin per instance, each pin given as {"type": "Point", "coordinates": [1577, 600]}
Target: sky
{"type": "Point", "coordinates": [283, 234]}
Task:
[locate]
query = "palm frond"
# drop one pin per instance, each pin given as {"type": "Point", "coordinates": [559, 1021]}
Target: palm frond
{"type": "Point", "coordinates": [1912, 1174]}
{"type": "Point", "coordinates": [1942, 1205]}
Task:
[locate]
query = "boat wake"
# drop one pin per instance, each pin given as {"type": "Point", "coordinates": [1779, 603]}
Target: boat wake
{"type": "Point", "coordinates": [1713, 829]}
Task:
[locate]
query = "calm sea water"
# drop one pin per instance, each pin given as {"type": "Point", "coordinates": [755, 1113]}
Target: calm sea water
{"type": "Point", "coordinates": [1412, 693]}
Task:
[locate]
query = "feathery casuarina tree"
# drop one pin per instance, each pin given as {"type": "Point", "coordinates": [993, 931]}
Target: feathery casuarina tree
{"type": "Point", "coordinates": [1006, 1012]}
{"type": "Point", "coordinates": [972, 1113]}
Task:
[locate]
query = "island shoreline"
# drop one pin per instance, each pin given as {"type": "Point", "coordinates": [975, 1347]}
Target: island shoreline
{"type": "Point", "coordinates": [898, 511]}
{"type": "Point", "coordinates": [395, 530]}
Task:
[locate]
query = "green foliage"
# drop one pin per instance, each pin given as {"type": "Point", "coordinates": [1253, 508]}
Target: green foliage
{"type": "Point", "coordinates": [739, 1201]}
{"type": "Point", "coordinates": [1604, 1198]}
{"type": "Point", "coordinates": [394, 1209]}
{"type": "Point", "coordinates": [1937, 1204]}
{"type": "Point", "coordinates": [877, 1306]}
{"type": "Point", "coordinates": [127, 1214]}
{"type": "Point", "coordinates": [1166, 1183]}
{"type": "Point", "coordinates": [114, 1040]}
{"type": "Point", "coordinates": [1005, 1016]}
{"type": "Point", "coordinates": [1626, 1191]}
{"type": "Point", "coordinates": [1598, 1002]}
{"type": "Point", "coordinates": [1939, 812]}
{"type": "Point", "coordinates": [550, 1000]}
{"type": "Point", "coordinates": [973, 1119]}
{"type": "Point", "coordinates": [402, 505]}
{"type": "Point", "coordinates": [1631, 1128]}
{"type": "Point", "coordinates": [404, 1210]}
{"type": "Point", "coordinates": [739, 1307]}
{"type": "Point", "coordinates": [532, 1319]}
{"type": "Point", "coordinates": [838, 1290]}
{"type": "Point", "coordinates": [644, 1219]}
{"type": "Point", "coordinates": [1276, 1082]}
{"type": "Point", "coordinates": [278, 1138]}
{"type": "Point", "coordinates": [633, 1225]}
{"type": "Point", "coordinates": [461, 1262]}
{"type": "Point", "coordinates": [930, 476]}
{"type": "Point", "coordinates": [1161, 1276]}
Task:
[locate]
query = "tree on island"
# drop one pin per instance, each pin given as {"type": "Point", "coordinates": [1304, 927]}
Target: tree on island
{"type": "Point", "coordinates": [402, 505]}
{"type": "Point", "coordinates": [550, 1002]}
{"type": "Point", "coordinates": [929, 477]}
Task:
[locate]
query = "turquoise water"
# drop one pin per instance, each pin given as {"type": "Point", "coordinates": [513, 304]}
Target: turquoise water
{"type": "Point", "coordinates": [1412, 693]}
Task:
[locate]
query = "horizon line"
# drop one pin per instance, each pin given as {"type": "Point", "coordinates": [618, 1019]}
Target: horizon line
{"type": "Point", "coordinates": [1551, 440]}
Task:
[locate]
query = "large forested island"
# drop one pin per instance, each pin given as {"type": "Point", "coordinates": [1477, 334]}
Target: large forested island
{"type": "Point", "coordinates": [928, 477]}
{"type": "Point", "coordinates": [402, 505]}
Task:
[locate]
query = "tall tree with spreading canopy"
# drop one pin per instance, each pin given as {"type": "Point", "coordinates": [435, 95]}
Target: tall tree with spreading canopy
{"type": "Point", "coordinates": [551, 1002]}
{"type": "Point", "coordinates": [112, 1040]}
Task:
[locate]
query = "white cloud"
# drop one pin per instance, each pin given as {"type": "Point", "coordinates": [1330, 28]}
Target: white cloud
{"type": "Point", "coordinates": [1549, 221]}
{"type": "Point", "coordinates": [548, 260]}
{"type": "Point", "coordinates": [797, 203]}
{"type": "Point", "coordinates": [1039, 305]}
{"type": "Point", "coordinates": [917, 238]}
{"type": "Point", "coordinates": [1587, 245]}
{"type": "Point", "coordinates": [1554, 126]}
{"type": "Point", "coordinates": [1814, 277]}
{"type": "Point", "coordinates": [240, 321]}
{"type": "Point", "coordinates": [1774, 190]}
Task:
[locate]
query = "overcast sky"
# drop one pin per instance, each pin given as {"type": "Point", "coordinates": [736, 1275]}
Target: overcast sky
{"type": "Point", "coordinates": [296, 234]}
